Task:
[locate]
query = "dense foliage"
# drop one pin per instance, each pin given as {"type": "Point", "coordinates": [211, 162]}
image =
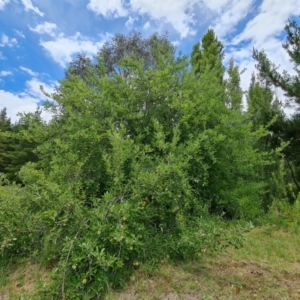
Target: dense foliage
{"type": "Point", "coordinates": [288, 130]}
{"type": "Point", "coordinates": [146, 155]}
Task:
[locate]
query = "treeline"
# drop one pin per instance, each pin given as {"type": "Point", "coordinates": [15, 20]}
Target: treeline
{"type": "Point", "coordinates": [145, 152]}
{"type": "Point", "coordinates": [15, 149]}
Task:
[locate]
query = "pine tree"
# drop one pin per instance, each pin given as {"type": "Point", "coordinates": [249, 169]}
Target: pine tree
{"type": "Point", "coordinates": [233, 87]}
{"type": "Point", "coordinates": [259, 99]}
{"type": "Point", "coordinates": [290, 84]}
{"type": "Point", "coordinates": [22, 144]}
{"type": "Point", "coordinates": [208, 54]}
{"type": "Point", "coordinates": [5, 126]}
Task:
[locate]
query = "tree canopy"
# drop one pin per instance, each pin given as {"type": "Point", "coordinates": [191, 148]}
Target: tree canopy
{"type": "Point", "coordinates": [290, 84]}
{"type": "Point", "coordinates": [146, 154]}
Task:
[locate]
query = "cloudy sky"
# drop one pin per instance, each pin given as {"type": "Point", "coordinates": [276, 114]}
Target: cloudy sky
{"type": "Point", "coordinates": [38, 38]}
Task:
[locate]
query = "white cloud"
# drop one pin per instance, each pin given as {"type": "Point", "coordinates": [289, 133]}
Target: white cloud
{"type": "Point", "coordinates": [45, 28]}
{"type": "Point", "coordinates": [5, 73]}
{"type": "Point", "coordinates": [1, 56]}
{"type": "Point", "coordinates": [130, 21]}
{"type": "Point", "coordinates": [146, 25]}
{"type": "Point", "coordinates": [33, 88]}
{"type": "Point", "coordinates": [29, 6]}
{"type": "Point", "coordinates": [215, 5]}
{"type": "Point", "coordinates": [6, 41]}
{"type": "Point", "coordinates": [29, 71]}
{"type": "Point", "coordinates": [26, 101]}
{"type": "Point", "coordinates": [19, 33]}
{"type": "Point", "coordinates": [16, 103]}
{"type": "Point", "coordinates": [230, 15]}
{"type": "Point", "coordinates": [111, 8]}
{"type": "Point", "coordinates": [177, 13]}
{"type": "Point", "coordinates": [262, 32]}
{"type": "Point", "coordinates": [269, 22]}
{"type": "Point", "coordinates": [2, 3]}
{"type": "Point", "coordinates": [63, 48]}
{"type": "Point", "coordinates": [175, 43]}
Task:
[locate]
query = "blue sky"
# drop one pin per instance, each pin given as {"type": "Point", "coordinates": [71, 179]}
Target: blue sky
{"type": "Point", "coordinates": [38, 38]}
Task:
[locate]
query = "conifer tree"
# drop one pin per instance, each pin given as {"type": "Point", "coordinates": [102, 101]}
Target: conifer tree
{"type": "Point", "coordinates": [265, 111]}
{"type": "Point", "coordinates": [269, 71]}
{"type": "Point", "coordinates": [5, 126]}
{"type": "Point", "coordinates": [290, 84]}
{"type": "Point", "coordinates": [233, 87]}
{"type": "Point", "coordinates": [22, 144]}
{"type": "Point", "coordinates": [208, 54]}
{"type": "Point", "coordinates": [260, 100]}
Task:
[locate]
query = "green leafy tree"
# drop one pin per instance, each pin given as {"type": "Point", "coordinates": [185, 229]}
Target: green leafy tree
{"type": "Point", "coordinates": [5, 126]}
{"type": "Point", "coordinates": [290, 84]}
{"type": "Point", "coordinates": [208, 54]}
{"type": "Point", "coordinates": [133, 166]}
{"type": "Point", "coordinates": [266, 111]}
{"type": "Point", "coordinates": [263, 106]}
{"type": "Point", "coordinates": [221, 169]}
{"type": "Point", "coordinates": [79, 67]}
{"type": "Point", "coordinates": [233, 87]}
{"type": "Point", "coordinates": [150, 50]}
{"type": "Point", "coordinates": [290, 133]}
{"type": "Point", "coordinates": [22, 144]}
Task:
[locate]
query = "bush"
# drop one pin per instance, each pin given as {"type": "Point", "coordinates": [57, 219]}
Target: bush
{"type": "Point", "coordinates": [97, 248]}
{"type": "Point", "coordinates": [134, 167]}
{"type": "Point", "coordinates": [284, 215]}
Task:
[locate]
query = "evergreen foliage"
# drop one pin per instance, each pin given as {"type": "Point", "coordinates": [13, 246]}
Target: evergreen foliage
{"type": "Point", "coordinates": [21, 144]}
{"type": "Point", "coordinates": [233, 86]}
{"type": "Point", "coordinates": [208, 54]}
{"type": "Point", "coordinates": [268, 70]}
{"type": "Point", "coordinates": [290, 84]}
{"type": "Point", "coordinates": [5, 126]}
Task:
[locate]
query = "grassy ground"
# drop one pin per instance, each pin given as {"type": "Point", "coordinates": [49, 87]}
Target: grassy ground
{"type": "Point", "coordinates": [267, 267]}
{"type": "Point", "coordinates": [22, 281]}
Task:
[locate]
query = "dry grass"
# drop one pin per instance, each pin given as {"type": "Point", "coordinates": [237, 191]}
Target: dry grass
{"type": "Point", "coordinates": [268, 267]}
{"type": "Point", "coordinates": [22, 282]}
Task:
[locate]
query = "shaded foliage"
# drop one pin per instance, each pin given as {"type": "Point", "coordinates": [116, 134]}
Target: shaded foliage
{"type": "Point", "coordinates": [5, 126]}
{"type": "Point", "coordinates": [290, 84]}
